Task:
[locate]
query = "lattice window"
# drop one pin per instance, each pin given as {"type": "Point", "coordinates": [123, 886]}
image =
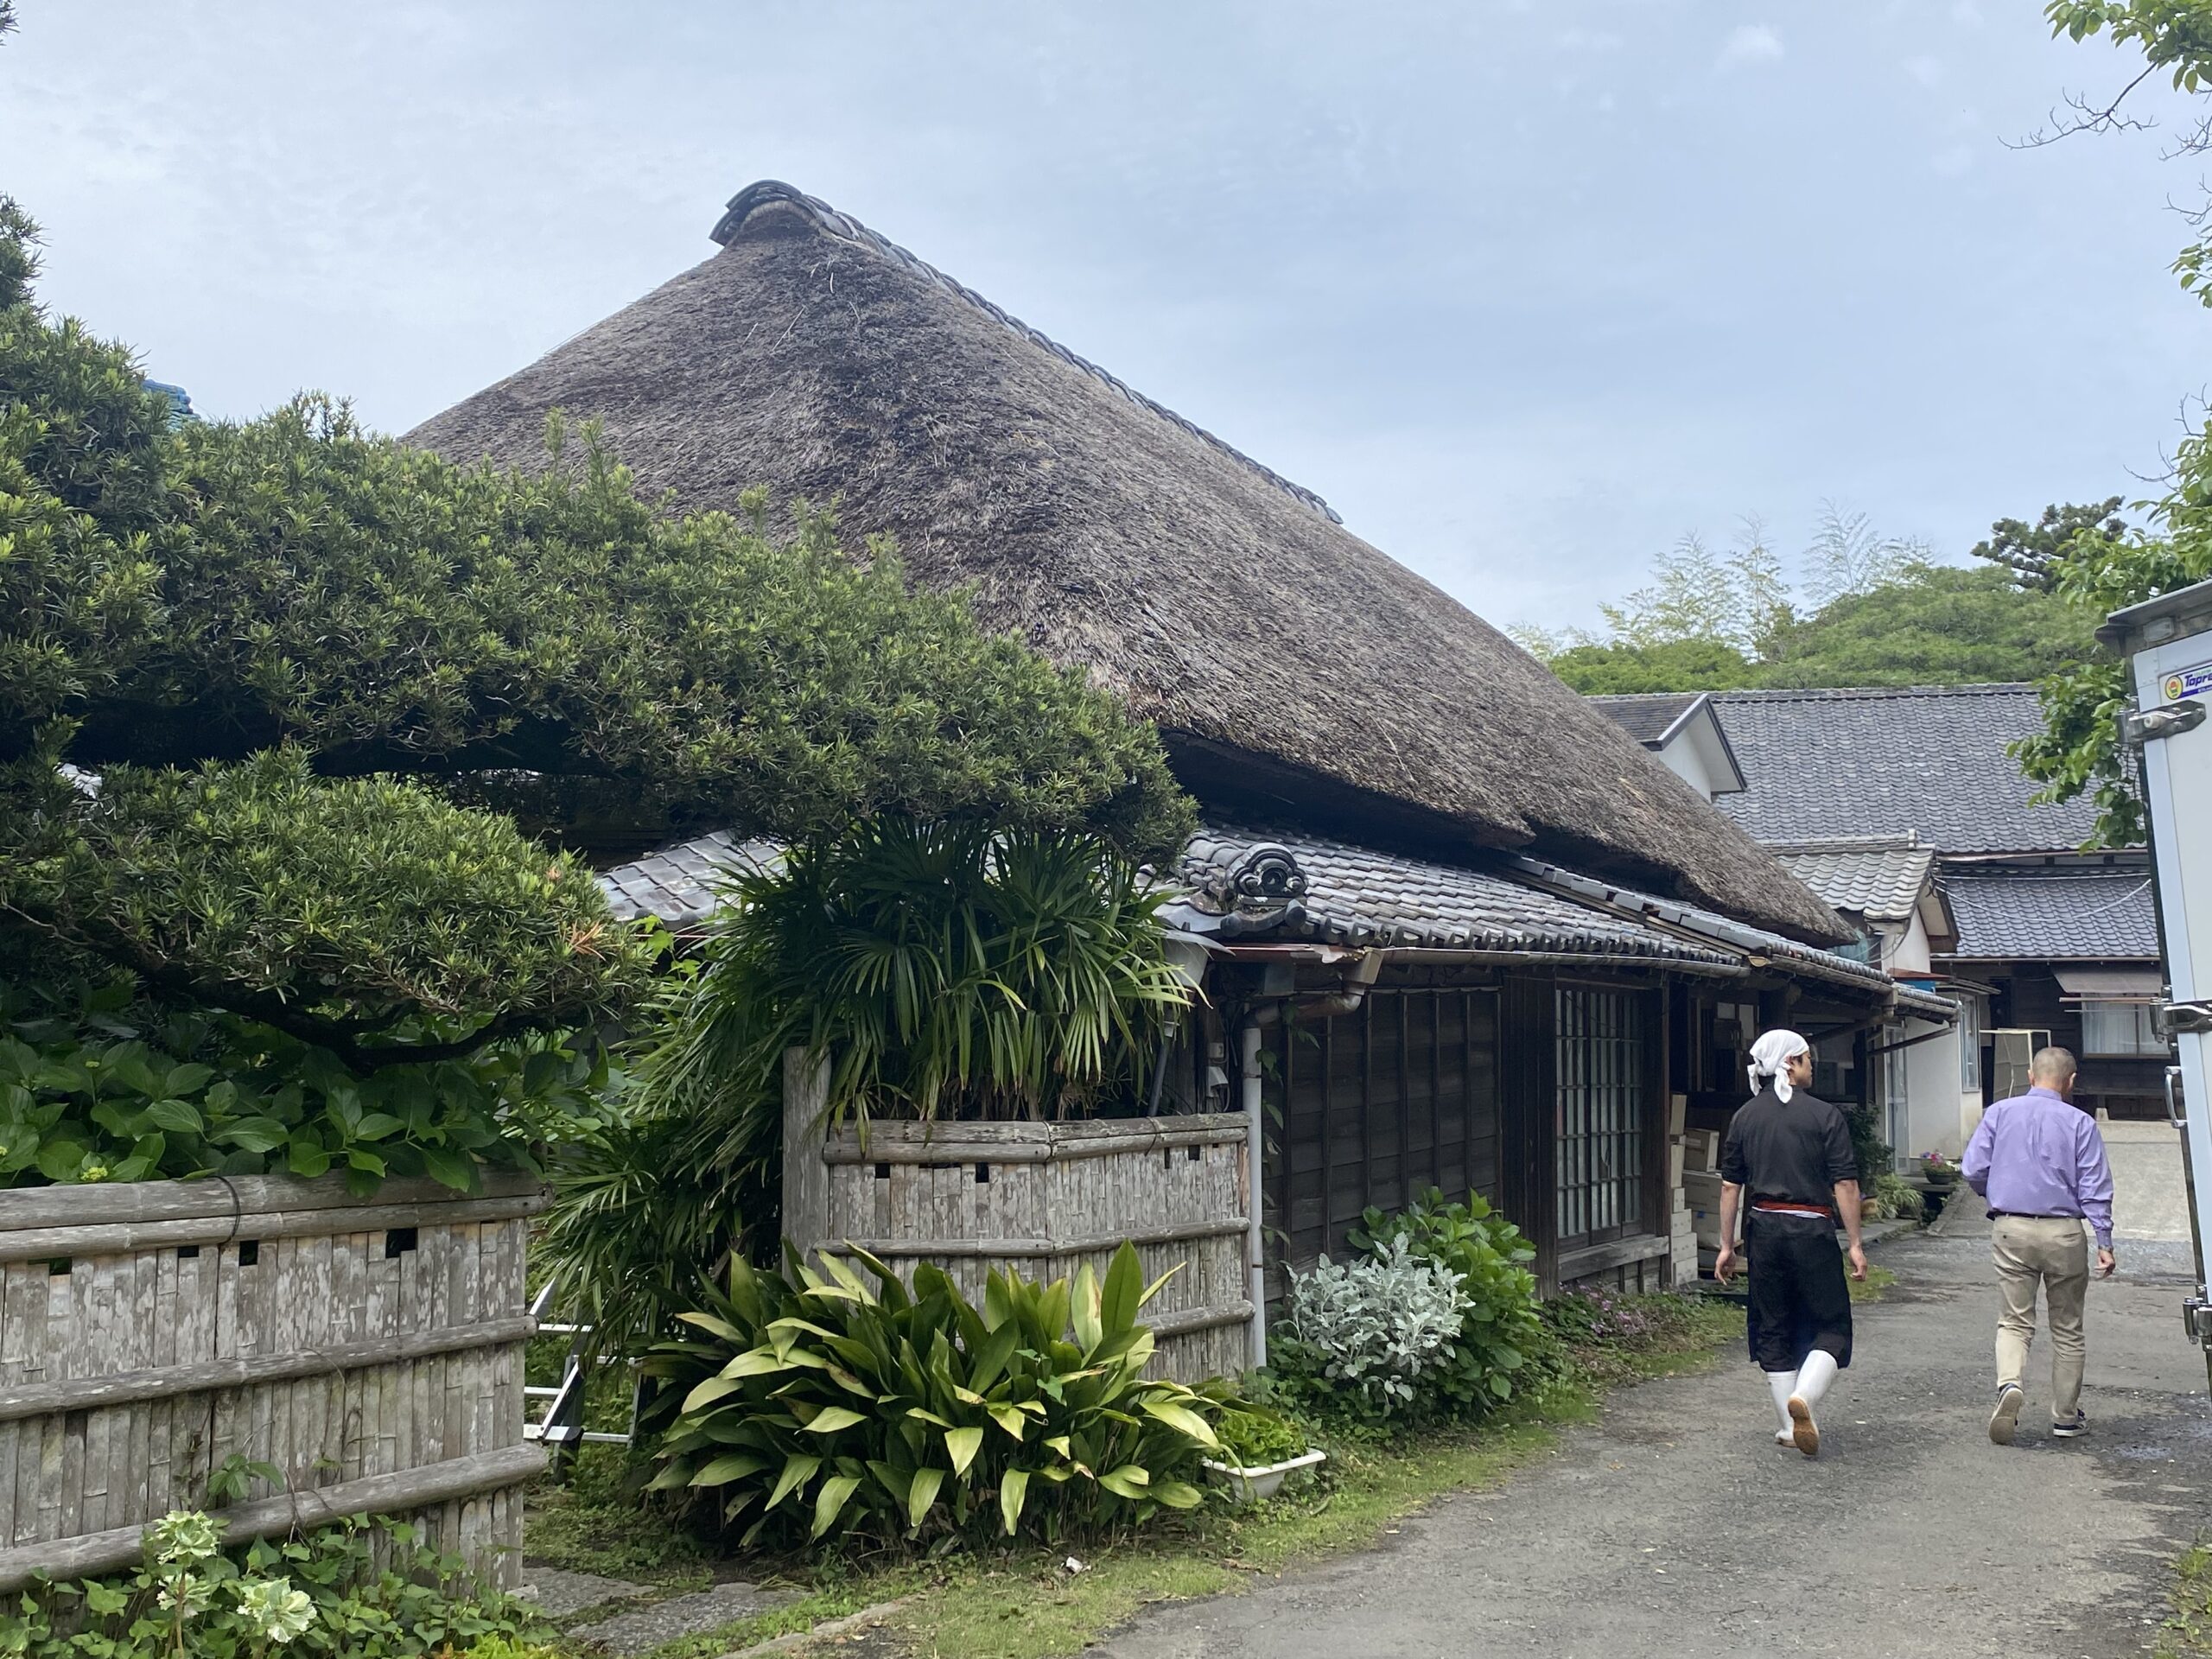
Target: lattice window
{"type": "Point", "coordinates": [1602, 1088]}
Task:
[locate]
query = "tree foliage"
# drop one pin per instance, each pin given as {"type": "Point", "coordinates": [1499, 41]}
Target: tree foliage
{"type": "Point", "coordinates": [2104, 565]}
{"type": "Point", "coordinates": [1931, 625]}
{"type": "Point", "coordinates": [1921, 624]}
{"type": "Point", "coordinates": [2031, 551]}
{"type": "Point", "coordinates": [2175, 38]}
{"type": "Point", "coordinates": [288, 713]}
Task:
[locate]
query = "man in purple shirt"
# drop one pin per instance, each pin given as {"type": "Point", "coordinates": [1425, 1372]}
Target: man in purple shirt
{"type": "Point", "coordinates": [2041, 1165]}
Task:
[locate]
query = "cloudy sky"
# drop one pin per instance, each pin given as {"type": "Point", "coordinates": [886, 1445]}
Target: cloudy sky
{"type": "Point", "coordinates": [1526, 291]}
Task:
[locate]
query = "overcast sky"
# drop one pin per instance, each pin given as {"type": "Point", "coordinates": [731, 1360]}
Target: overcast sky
{"type": "Point", "coordinates": [1525, 290]}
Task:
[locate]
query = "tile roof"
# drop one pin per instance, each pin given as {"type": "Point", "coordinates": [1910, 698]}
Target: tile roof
{"type": "Point", "coordinates": [1880, 878]}
{"type": "Point", "coordinates": [1737, 936]}
{"type": "Point", "coordinates": [1292, 884]}
{"type": "Point", "coordinates": [1648, 716]}
{"type": "Point", "coordinates": [2082, 915]}
{"type": "Point", "coordinates": [1339, 893]}
{"type": "Point", "coordinates": [1885, 762]}
{"type": "Point", "coordinates": [1251, 883]}
{"type": "Point", "coordinates": [676, 883]}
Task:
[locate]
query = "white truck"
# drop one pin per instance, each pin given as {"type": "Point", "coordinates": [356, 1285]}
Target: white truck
{"type": "Point", "coordinates": [2168, 643]}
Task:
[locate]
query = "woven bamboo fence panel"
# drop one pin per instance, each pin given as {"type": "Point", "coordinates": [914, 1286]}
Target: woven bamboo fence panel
{"type": "Point", "coordinates": [1042, 1199]}
{"type": "Point", "coordinates": [371, 1350]}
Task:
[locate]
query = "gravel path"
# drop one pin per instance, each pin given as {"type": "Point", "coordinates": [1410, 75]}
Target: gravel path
{"type": "Point", "coordinates": [1675, 1527]}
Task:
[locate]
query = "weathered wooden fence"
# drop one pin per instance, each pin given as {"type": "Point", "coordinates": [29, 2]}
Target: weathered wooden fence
{"type": "Point", "coordinates": [371, 1350]}
{"type": "Point", "coordinates": [1042, 1199]}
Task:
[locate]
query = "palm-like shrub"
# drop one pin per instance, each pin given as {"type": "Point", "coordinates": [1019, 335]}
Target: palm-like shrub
{"type": "Point", "coordinates": [943, 968]}
{"type": "Point", "coordinates": [822, 1402]}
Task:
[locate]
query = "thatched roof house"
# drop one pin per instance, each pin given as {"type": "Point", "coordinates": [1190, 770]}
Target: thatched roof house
{"type": "Point", "coordinates": [1295, 671]}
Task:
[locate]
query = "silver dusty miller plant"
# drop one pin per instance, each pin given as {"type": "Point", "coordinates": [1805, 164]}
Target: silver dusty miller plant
{"type": "Point", "coordinates": [1378, 1324]}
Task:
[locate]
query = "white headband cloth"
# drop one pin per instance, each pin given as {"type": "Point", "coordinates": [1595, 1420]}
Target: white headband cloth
{"type": "Point", "coordinates": [1770, 1057]}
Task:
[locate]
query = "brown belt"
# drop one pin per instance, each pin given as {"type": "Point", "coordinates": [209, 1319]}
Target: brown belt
{"type": "Point", "coordinates": [1779, 1207]}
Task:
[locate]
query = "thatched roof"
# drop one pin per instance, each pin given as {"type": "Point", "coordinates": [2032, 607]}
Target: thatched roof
{"type": "Point", "coordinates": [1291, 667]}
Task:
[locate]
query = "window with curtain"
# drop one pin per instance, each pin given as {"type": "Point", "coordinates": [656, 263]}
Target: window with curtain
{"type": "Point", "coordinates": [1969, 1042]}
{"type": "Point", "coordinates": [1603, 1094]}
{"type": "Point", "coordinates": [2120, 1029]}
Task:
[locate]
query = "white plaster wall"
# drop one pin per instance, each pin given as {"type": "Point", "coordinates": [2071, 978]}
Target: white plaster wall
{"type": "Point", "coordinates": [1908, 954]}
{"type": "Point", "coordinates": [1932, 1095]}
{"type": "Point", "coordinates": [1684, 759]}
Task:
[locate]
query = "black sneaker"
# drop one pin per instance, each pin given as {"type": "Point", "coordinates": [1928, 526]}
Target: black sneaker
{"type": "Point", "coordinates": [2006, 1417]}
{"type": "Point", "coordinates": [2074, 1428]}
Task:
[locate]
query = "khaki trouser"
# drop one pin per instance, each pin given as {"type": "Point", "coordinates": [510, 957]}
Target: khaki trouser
{"type": "Point", "coordinates": [2054, 1253]}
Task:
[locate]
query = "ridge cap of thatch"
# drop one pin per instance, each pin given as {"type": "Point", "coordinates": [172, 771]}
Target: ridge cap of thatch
{"type": "Point", "coordinates": [765, 192]}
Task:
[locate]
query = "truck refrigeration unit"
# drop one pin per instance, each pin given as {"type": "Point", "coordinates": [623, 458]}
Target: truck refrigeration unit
{"type": "Point", "coordinates": [2168, 645]}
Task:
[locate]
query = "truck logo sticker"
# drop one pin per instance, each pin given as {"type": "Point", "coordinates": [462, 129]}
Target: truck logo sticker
{"type": "Point", "coordinates": [2188, 681]}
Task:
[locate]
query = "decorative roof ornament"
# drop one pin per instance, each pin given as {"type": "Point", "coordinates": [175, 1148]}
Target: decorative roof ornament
{"type": "Point", "coordinates": [1266, 879]}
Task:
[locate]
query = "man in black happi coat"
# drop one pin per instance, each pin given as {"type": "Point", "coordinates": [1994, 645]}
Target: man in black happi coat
{"type": "Point", "coordinates": [1792, 1155]}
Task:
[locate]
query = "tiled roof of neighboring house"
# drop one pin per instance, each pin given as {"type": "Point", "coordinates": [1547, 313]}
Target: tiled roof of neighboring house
{"type": "Point", "coordinates": [2085, 915]}
{"type": "Point", "coordinates": [676, 883]}
{"type": "Point", "coordinates": [1879, 877]}
{"type": "Point", "coordinates": [1890, 762]}
{"type": "Point", "coordinates": [1648, 716]}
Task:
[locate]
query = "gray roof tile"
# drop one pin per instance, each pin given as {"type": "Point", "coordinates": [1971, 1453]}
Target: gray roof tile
{"type": "Point", "coordinates": [2055, 915]}
{"type": "Point", "coordinates": [676, 883]}
{"type": "Point", "coordinates": [1355, 895]}
{"type": "Point", "coordinates": [1271, 884]}
{"type": "Point", "coordinates": [1929, 761]}
{"type": "Point", "coordinates": [1647, 716]}
{"type": "Point", "coordinates": [1881, 880]}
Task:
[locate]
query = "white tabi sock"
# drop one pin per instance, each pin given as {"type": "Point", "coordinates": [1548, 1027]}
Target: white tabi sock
{"type": "Point", "coordinates": [1815, 1375]}
{"type": "Point", "coordinates": [1782, 1382]}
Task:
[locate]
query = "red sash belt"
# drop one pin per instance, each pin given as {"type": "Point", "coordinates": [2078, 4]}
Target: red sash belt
{"type": "Point", "coordinates": [1782, 1207]}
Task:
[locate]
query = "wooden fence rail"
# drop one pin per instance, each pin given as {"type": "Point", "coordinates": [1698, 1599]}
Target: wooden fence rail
{"type": "Point", "coordinates": [370, 1350]}
{"type": "Point", "coordinates": [1042, 1199]}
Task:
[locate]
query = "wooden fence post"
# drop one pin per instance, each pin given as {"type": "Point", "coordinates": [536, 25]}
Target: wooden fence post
{"type": "Point", "coordinates": [806, 1177]}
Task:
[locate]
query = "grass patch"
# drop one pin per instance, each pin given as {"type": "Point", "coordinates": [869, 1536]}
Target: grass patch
{"type": "Point", "coordinates": [1870, 1288]}
{"type": "Point", "coordinates": [1027, 1604]}
{"type": "Point", "coordinates": [591, 1524]}
{"type": "Point", "coordinates": [2187, 1633]}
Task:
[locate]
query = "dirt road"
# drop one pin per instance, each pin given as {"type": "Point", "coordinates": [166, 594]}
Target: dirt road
{"type": "Point", "coordinates": [1676, 1526]}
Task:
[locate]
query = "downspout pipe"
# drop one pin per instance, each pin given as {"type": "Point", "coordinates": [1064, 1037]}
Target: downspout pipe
{"type": "Point", "coordinates": [1255, 1163]}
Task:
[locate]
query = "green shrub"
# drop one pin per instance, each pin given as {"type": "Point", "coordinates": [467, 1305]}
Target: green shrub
{"type": "Point", "coordinates": [1499, 1329]}
{"type": "Point", "coordinates": [819, 1403]}
{"type": "Point", "coordinates": [1895, 1197]}
{"type": "Point", "coordinates": [1368, 1339]}
{"type": "Point", "coordinates": [1253, 1437]}
{"type": "Point", "coordinates": [327, 1593]}
{"type": "Point", "coordinates": [98, 1084]}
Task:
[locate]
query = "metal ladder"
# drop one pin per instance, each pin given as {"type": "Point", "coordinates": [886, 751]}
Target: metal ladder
{"type": "Point", "coordinates": [562, 1428]}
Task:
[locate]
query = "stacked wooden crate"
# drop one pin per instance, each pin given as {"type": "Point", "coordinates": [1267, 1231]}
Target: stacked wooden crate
{"type": "Point", "coordinates": [1701, 1191]}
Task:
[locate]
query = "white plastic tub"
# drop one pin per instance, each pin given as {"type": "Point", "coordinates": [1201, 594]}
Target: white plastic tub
{"type": "Point", "coordinates": [1256, 1486]}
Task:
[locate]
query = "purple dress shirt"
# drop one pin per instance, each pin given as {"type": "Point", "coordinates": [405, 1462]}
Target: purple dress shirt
{"type": "Point", "coordinates": [2036, 1155]}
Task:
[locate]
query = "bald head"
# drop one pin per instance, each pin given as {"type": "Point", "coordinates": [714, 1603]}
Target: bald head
{"type": "Point", "coordinates": [2053, 1068]}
